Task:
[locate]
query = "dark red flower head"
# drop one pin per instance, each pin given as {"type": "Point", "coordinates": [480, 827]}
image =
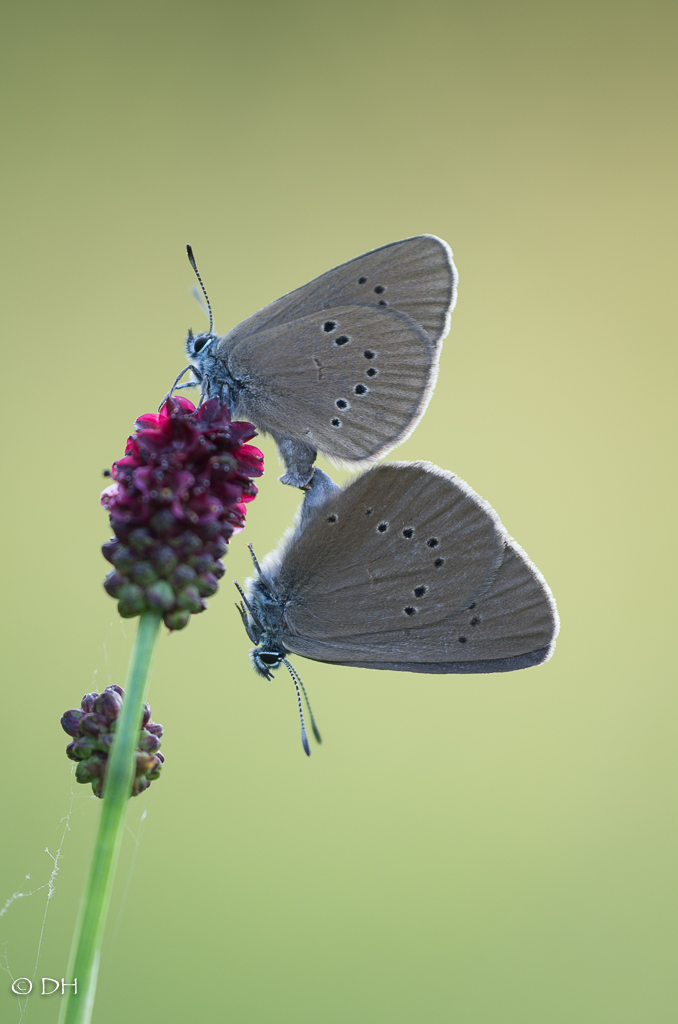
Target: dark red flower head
{"type": "Point", "coordinates": [179, 495]}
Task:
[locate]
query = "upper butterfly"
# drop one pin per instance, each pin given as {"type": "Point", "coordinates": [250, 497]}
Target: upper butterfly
{"type": "Point", "coordinates": [344, 365]}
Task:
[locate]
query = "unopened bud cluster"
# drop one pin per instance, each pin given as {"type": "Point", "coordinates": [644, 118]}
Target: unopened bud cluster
{"type": "Point", "coordinates": [179, 495]}
{"type": "Point", "coordinates": [93, 726]}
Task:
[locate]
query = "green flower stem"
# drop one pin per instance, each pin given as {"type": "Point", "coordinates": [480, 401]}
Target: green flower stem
{"type": "Point", "coordinates": [86, 947]}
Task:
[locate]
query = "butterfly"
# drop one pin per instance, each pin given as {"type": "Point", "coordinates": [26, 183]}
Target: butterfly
{"type": "Point", "coordinates": [344, 365]}
{"type": "Point", "coordinates": [407, 569]}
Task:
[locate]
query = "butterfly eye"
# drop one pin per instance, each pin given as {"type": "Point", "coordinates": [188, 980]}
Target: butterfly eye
{"type": "Point", "coordinates": [200, 343]}
{"type": "Point", "coordinates": [268, 659]}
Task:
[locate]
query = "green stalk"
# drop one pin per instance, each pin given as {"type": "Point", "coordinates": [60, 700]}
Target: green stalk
{"type": "Point", "coordinates": [86, 946]}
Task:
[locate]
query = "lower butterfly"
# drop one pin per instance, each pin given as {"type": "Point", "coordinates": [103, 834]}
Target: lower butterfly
{"type": "Point", "coordinates": [407, 569]}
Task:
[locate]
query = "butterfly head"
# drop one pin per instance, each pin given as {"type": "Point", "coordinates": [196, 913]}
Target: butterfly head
{"type": "Point", "coordinates": [196, 343]}
{"type": "Point", "coordinates": [267, 657]}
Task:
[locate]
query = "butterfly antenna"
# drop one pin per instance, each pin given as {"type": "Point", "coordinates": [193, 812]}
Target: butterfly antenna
{"type": "Point", "coordinates": [247, 604]}
{"type": "Point", "coordinates": [304, 737]}
{"type": "Point", "coordinates": [297, 678]}
{"type": "Point", "coordinates": [254, 559]}
{"type": "Point", "coordinates": [191, 259]}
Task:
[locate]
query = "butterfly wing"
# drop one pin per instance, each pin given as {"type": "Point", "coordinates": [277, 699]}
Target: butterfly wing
{"type": "Point", "coordinates": [351, 382]}
{"type": "Point", "coordinates": [455, 594]}
{"type": "Point", "coordinates": [415, 276]}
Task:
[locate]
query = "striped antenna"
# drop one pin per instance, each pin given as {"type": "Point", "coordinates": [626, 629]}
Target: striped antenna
{"type": "Point", "coordinates": [304, 737]}
{"type": "Point", "coordinates": [191, 259]}
{"type": "Point", "coordinates": [295, 675]}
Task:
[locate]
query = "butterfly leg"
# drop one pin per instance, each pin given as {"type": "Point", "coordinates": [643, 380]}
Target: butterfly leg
{"type": "Point", "coordinates": [298, 458]}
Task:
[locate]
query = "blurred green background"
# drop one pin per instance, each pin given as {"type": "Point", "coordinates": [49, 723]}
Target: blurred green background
{"type": "Point", "coordinates": [489, 850]}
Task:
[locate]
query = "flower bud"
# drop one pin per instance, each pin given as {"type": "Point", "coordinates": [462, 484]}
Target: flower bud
{"type": "Point", "coordinates": [164, 560]}
{"type": "Point", "coordinates": [113, 583]}
{"type": "Point", "coordinates": [140, 540]}
{"type": "Point", "coordinates": [207, 584]}
{"type": "Point", "coordinates": [148, 742]}
{"type": "Point", "coordinates": [105, 742]}
{"type": "Point", "coordinates": [163, 523]}
{"type": "Point", "coordinates": [83, 747]}
{"type": "Point", "coordinates": [160, 595]}
{"type": "Point", "coordinates": [143, 574]}
{"type": "Point", "coordinates": [123, 558]}
{"type": "Point", "coordinates": [90, 769]}
{"type": "Point", "coordinates": [92, 724]}
{"type": "Point", "coordinates": [132, 596]}
{"type": "Point", "coordinates": [217, 547]}
{"type": "Point", "coordinates": [70, 722]}
{"type": "Point", "coordinates": [183, 574]}
{"type": "Point", "coordinates": [108, 704]}
{"type": "Point", "coordinates": [109, 548]}
{"type": "Point", "coordinates": [202, 562]}
{"type": "Point", "coordinates": [189, 599]}
{"type": "Point", "coordinates": [176, 619]}
{"type": "Point", "coordinates": [188, 543]}
{"type": "Point", "coordinates": [145, 762]}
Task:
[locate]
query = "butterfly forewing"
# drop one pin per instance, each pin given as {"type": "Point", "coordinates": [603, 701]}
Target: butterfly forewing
{"type": "Point", "coordinates": [472, 602]}
{"type": "Point", "coordinates": [415, 275]}
{"type": "Point", "coordinates": [350, 382]}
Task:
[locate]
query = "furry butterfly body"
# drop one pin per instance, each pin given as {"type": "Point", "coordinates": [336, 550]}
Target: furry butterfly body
{"type": "Point", "coordinates": [407, 569]}
{"type": "Point", "coordinates": [344, 365]}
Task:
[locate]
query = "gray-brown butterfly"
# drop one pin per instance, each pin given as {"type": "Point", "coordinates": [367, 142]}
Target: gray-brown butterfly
{"type": "Point", "coordinates": [344, 365]}
{"type": "Point", "coordinates": [407, 568]}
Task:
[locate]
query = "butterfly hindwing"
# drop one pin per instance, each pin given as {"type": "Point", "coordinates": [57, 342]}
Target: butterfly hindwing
{"type": "Point", "coordinates": [441, 589]}
{"type": "Point", "coordinates": [401, 546]}
{"type": "Point", "coordinates": [350, 382]}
